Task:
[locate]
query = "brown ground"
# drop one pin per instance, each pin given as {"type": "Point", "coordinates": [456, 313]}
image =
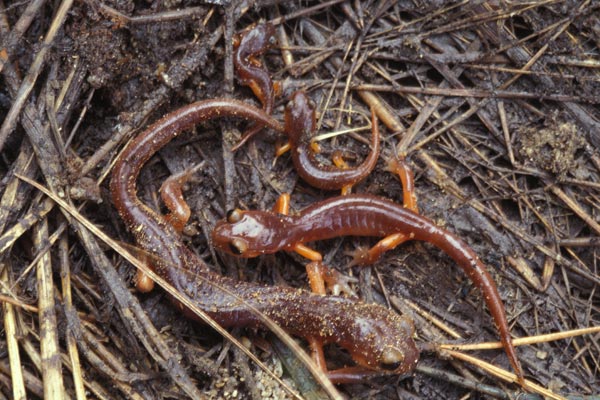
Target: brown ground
{"type": "Point", "coordinates": [495, 108]}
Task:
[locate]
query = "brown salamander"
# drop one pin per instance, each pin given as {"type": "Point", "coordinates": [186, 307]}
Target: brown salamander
{"type": "Point", "coordinates": [300, 125]}
{"type": "Point", "coordinates": [252, 233]}
{"type": "Point", "coordinates": [379, 340]}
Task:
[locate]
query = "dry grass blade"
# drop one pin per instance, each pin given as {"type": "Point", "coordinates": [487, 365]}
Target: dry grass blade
{"type": "Point", "coordinates": [78, 377]}
{"type": "Point", "coordinates": [548, 337]}
{"type": "Point", "coordinates": [13, 234]}
{"type": "Point", "coordinates": [454, 350]}
{"type": "Point", "coordinates": [8, 298]}
{"type": "Point", "coordinates": [503, 374]}
{"type": "Point", "coordinates": [49, 349]}
{"type": "Point", "coordinates": [10, 328]}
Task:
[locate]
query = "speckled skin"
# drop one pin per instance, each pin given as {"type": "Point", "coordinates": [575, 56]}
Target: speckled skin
{"type": "Point", "coordinates": [299, 128]}
{"type": "Point", "coordinates": [376, 338]}
{"type": "Point", "coordinates": [266, 232]}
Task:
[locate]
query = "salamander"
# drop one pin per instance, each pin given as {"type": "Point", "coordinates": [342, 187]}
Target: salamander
{"type": "Point", "coordinates": [249, 45]}
{"type": "Point", "coordinates": [379, 340]}
{"type": "Point", "coordinates": [300, 125]}
{"type": "Point", "coordinates": [253, 233]}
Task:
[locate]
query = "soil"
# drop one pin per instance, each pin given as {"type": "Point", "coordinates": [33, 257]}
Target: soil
{"type": "Point", "coordinates": [494, 105]}
{"type": "Point", "coordinates": [553, 148]}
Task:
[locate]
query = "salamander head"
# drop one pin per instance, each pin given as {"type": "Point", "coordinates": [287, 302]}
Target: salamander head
{"type": "Point", "coordinates": [256, 40]}
{"type": "Point", "coordinates": [250, 233]}
{"type": "Point", "coordinates": [299, 118]}
{"type": "Point", "coordinates": [382, 340]}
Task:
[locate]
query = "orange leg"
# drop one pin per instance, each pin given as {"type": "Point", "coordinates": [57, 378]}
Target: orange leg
{"type": "Point", "coordinates": [172, 195]}
{"type": "Point", "coordinates": [366, 257]}
{"type": "Point", "coordinates": [401, 168]}
{"type": "Point", "coordinates": [143, 283]}
{"type": "Point", "coordinates": [316, 352]}
{"type": "Point", "coordinates": [280, 149]}
{"type": "Point", "coordinates": [313, 269]}
{"type": "Point", "coordinates": [284, 148]}
{"type": "Point", "coordinates": [314, 146]}
{"type": "Point", "coordinates": [317, 273]}
{"type": "Point", "coordinates": [339, 162]}
{"type": "Point", "coordinates": [258, 64]}
{"type": "Point", "coordinates": [282, 205]}
{"type": "Point", "coordinates": [171, 192]}
{"type": "Point", "coordinates": [316, 281]}
{"type": "Point", "coordinates": [335, 281]}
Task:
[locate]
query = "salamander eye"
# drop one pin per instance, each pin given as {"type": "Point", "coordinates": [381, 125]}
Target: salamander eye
{"type": "Point", "coordinates": [234, 215]}
{"type": "Point", "coordinates": [391, 359]}
{"type": "Point", "coordinates": [238, 247]}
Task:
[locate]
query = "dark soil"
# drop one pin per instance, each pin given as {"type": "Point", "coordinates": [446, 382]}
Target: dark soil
{"type": "Point", "coordinates": [496, 108]}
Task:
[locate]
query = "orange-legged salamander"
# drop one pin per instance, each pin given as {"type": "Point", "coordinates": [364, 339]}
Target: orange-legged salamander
{"type": "Point", "coordinates": [300, 125]}
{"type": "Point", "coordinates": [379, 340]}
{"type": "Point", "coordinates": [252, 233]}
{"type": "Point", "coordinates": [247, 47]}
